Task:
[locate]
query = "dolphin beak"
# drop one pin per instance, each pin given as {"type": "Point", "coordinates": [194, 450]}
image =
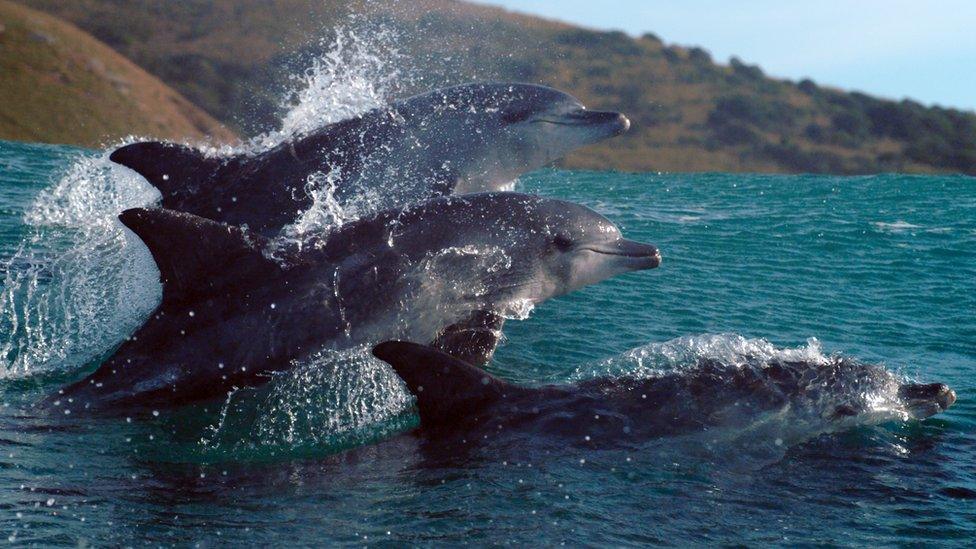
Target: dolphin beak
{"type": "Point", "coordinates": [615, 122]}
{"type": "Point", "coordinates": [926, 400]}
{"type": "Point", "coordinates": [612, 123]}
{"type": "Point", "coordinates": [639, 256]}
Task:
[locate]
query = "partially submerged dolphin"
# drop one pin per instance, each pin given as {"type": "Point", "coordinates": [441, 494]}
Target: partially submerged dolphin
{"type": "Point", "coordinates": [456, 399]}
{"type": "Point", "coordinates": [236, 308]}
{"type": "Point", "coordinates": [464, 139]}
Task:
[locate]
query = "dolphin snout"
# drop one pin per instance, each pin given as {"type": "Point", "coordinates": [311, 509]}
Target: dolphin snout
{"type": "Point", "coordinates": [612, 122]}
{"type": "Point", "coordinates": [643, 256]}
{"type": "Point", "coordinates": [615, 122]}
{"type": "Point", "coordinates": [622, 122]}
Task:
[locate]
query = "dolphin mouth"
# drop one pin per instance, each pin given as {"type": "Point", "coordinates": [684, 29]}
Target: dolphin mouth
{"type": "Point", "coordinates": [925, 400]}
{"type": "Point", "coordinates": [614, 122]}
{"type": "Point", "coordinates": [644, 256]}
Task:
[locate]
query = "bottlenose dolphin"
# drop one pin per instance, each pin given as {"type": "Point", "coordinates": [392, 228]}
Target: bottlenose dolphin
{"type": "Point", "coordinates": [464, 139]}
{"type": "Point", "coordinates": [458, 400]}
{"type": "Point", "coordinates": [237, 307]}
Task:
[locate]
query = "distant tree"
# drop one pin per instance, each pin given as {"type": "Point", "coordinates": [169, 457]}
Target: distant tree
{"type": "Point", "coordinates": [651, 37]}
{"type": "Point", "coordinates": [808, 86]}
{"type": "Point", "coordinates": [752, 72]}
{"type": "Point", "coordinates": [700, 56]}
{"type": "Point", "coordinates": [735, 134]}
{"type": "Point", "coordinates": [671, 54]}
{"type": "Point", "coordinates": [894, 120]}
{"type": "Point", "coordinates": [798, 160]}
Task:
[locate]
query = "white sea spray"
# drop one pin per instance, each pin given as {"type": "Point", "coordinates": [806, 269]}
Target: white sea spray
{"type": "Point", "coordinates": [80, 282]}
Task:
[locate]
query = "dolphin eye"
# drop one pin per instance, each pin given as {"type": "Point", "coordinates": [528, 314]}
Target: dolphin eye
{"type": "Point", "coordinates": [562, 242]}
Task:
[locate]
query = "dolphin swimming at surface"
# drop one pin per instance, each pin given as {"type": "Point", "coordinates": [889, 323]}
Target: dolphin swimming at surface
{"type": "Point", "coordinates": [465, 404]}
{"type": "Point", "coordinates": [464, 139]}
{"type": "Point", "coordinates": [236, 308]}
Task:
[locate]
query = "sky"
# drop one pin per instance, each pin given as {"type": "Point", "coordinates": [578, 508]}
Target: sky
{"type": "Point", "coordinates": [922, 49]}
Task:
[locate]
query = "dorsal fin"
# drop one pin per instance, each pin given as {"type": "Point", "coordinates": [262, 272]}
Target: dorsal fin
{"type": "Point", "coordinates": [172, 168]}
{"type": "Point", "coordinates": [198, 257]}
{"type": "Point", "coordinates": [446, 388]}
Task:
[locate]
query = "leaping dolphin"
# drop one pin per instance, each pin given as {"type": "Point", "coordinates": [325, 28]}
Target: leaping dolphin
{"type": "Point", "coordinates": [236, 308]}
{"type": "Point", "coordinates": [466, 404]}
{"type": "Point", "coordinates": [464, 139]}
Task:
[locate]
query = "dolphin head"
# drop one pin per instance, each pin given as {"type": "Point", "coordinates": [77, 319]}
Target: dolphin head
{"type": "Point", "coordinates": [509, 248]}
{"type": "Point", "coordinates": [581, 247]}
{"type": "Point", "coordinates": [848, 391]}
{"type": "Point", "coordinates": [487, 134]}
{"type": "Point", "coordinates": [924, 400]}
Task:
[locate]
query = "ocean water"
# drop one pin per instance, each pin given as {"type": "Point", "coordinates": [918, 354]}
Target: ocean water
{"type": "Point", "coordinates": [881, 268]}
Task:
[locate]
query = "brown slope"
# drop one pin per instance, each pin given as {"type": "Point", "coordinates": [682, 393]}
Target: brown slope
{"type": "Point", "coordinates": [60, 85]}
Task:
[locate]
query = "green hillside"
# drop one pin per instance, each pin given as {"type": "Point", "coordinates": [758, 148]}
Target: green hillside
{"type": "Point", "coordinates": [232, 57]}
{"type": "Point", "coordinates": [58, 84]}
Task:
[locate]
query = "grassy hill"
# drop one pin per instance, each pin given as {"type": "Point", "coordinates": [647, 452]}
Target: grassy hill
{"type": "Point", "coordinates": [233, 58]}
{"type": "Point", "coordinates": [58, 84]}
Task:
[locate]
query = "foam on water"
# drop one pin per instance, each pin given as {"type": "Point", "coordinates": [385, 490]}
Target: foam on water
{"type": "Point", "coordinates": [895, 227]}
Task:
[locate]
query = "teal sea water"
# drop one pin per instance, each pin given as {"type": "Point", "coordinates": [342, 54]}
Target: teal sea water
{"type": "Point", "coordinates": [880, 268]}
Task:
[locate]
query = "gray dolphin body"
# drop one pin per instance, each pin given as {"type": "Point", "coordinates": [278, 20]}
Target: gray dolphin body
{"type": "Point", "coordinates": [460, 402]}
{"type": "Point", "coordinates": [235, 308]}
{"type": "Point", "coordinates": [464, 139]}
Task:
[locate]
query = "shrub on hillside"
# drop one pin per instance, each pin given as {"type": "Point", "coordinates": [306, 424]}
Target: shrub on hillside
{"type": "Point", "coordinates": [734, 134]}
{"type": "Point", "coordinates": [699, 56]}
{"type": "Point", "coordinates": [796, 159]}
{"type": "Point", "coordinates": [808, 86]}
{"type": "Point", "coordinates": [750, 72]}
{"type": "Point", "coordinates": [759, 112]}
{"type": "Point", "coordinates": [851, 125]}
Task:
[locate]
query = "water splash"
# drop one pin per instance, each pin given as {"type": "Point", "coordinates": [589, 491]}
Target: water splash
{"type": "Point", "coordinates": [325, 213]}
{"type": "Point", "coordinates": [359, 71]}
{"type": "Point", "coordinates": [656, 358]}
{"type": "Point", "coordinates": [80, 282]}
{"type": "Point", "coordinates": [332, 400]}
